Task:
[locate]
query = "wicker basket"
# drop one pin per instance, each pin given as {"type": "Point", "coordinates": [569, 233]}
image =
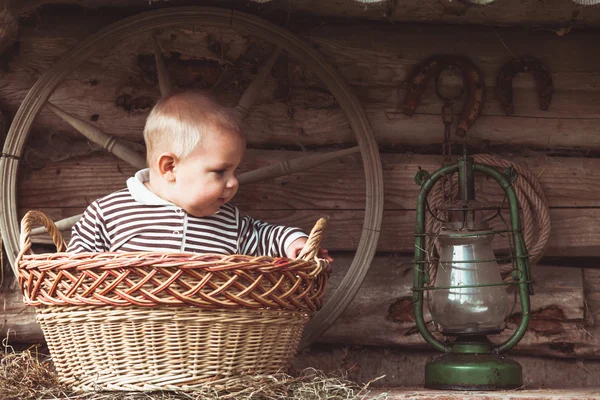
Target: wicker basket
{"type": "Point", "coordinates": [168, 321]}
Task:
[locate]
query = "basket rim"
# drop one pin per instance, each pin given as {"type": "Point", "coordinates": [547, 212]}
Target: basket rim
{"type": "Point", "coordinates": [147, 279]}
{"type": "Point", "coordinates": [184, 260]}
{"type": "Point", "coordinates": [140, 254]}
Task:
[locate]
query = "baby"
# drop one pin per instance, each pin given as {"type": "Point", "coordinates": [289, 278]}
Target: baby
{"type": "Point", "coordinates": [181, 202]}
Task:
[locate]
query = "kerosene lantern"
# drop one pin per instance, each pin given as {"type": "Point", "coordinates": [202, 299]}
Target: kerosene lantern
{"type": "Point", "coordinates": [469, 300]}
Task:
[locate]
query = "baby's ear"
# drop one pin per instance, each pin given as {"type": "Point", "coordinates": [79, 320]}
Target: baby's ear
{"type": "Point", "coordinates": [166, 166]}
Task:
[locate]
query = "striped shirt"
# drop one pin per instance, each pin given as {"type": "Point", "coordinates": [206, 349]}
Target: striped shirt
{"type": "Point", "coordinates": [135, 219]}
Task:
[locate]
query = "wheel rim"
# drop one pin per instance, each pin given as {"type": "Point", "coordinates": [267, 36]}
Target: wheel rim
{"type": "Point", "coordinates": [38, 95]}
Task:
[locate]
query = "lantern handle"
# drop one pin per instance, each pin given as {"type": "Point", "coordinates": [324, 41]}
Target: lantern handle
{"type": "Point", "coordinates": [427, 184]}
{"type": "Point", "coordinates": [524, 273]}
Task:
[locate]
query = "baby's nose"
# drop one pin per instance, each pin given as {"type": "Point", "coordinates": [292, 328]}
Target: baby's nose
{"type": "Point", "coordinates": [232, 182]}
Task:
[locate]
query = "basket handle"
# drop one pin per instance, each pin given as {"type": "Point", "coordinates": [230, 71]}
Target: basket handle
{"type": "Point", "coordinates": [41, 218]}
{"type": "Point", "coordinates": [311, 248]}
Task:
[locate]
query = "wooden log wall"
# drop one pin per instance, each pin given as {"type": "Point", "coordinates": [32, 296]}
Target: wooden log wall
{"type": "Point", "coordinates": [61, 173]}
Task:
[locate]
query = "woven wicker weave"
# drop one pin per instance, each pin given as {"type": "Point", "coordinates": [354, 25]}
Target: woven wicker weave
{"type": "Point", "coordinates": [176, 321]}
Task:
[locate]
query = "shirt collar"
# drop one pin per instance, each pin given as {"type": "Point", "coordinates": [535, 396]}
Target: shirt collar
{"type": "Point", "coordinates": [140, 192]}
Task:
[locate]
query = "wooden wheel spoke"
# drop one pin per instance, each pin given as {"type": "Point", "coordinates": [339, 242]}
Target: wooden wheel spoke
{"type": "Point", "coordinates": [257, 175]}
{"type": "Point", "coordinates": [101, 138]}
{"type": "Point", "coordinates": [251, 93]}
{"type": "Point", "coordinates": [290, 166]}
{"type": "Point", "coordinates": [164, 82]}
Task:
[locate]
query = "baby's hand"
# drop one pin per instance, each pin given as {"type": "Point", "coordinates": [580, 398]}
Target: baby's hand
{"type": "Point", "coordinates": [296, 247]}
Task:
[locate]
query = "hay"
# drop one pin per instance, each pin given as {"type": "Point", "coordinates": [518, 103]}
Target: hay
{"type": "Point", "coordinates": [28, 375]}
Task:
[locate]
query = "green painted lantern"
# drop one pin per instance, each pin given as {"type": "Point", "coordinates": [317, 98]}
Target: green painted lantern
{"type": "Point", "coordinates": [469, 300]}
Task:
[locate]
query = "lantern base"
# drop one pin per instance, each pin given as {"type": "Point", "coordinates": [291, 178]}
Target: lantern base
{"type": "Point", "coordinates": [453, 371]}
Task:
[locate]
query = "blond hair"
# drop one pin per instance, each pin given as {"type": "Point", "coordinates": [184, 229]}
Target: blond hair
{"type": "Point", "coordinates": [179, 122]}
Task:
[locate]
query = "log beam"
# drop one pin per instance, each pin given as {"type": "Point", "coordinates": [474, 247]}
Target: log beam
{"type": "Point", "coordinates": [557, 15]}
{"type": "Point", "coordinates": [381, 313]}
{"type": "Point", "coordinates": [574, 230]}
{"type": "Point", "coordinates": [569, 182]}
{"type": "Point", "coordinates": [375, 64]}
{"type": "Point", "coordinates": [65, 188]}
{"type": "Point", "coordinates": [401, 369]}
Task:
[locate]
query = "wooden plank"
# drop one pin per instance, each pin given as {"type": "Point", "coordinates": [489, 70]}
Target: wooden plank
{"type": "Point", "coordinates": [510, 12]}
{"type": "Point", "coordinates": [299, 199]}
{"type": "Point", "coordinates": [374, 63]}
{"type": "Point", "coordinates": [567, 182]}
{"type": "Point", "coordinates": [330, 127]}
{"type": "Point", "coordinates": [271, 125]}
{"type": "Point", "coordinates": [401, 369]}
{"type": "Point", "coordinates": [381, 313]}
{"type": "Point", "coordinates": [385, 54]}
{"type": "Point", "coordinates": [591, 283]}
{"type": "Point", "coordinates": [574, 231]}
{"type": "Point", "coordinates": [571, 122]}
{"type": "Point", "coordinates": [539, 394]}
{"type": "Point", "coordinates": [76, 182]}
{"type": "Point", "coordinates": [566, 103]}
{"type": "Point", "coordinates": [17, 320]}
{"type": "Point", "coordinates": [518, 13]}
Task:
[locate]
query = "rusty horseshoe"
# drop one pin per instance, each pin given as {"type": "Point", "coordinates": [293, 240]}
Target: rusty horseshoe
{"type": "Point", "coordinates": [505, 77]}
{"type": "Point", "coordinates": [433, 66]}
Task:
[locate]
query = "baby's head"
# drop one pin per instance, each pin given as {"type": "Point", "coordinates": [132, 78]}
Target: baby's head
{"type": "Point", "coordinates": [194, 146]}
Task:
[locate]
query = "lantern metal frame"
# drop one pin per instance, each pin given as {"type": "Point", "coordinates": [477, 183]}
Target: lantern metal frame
{"type": "Point", "coordinates": [471, 362]}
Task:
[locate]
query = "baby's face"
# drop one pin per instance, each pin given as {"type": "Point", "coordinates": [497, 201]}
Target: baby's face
{"type": "Point", "coordinates": [205, 180]}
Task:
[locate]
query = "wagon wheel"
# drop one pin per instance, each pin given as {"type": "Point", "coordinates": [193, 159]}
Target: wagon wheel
{"type": "Point", "coordinates": [149, 22]}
